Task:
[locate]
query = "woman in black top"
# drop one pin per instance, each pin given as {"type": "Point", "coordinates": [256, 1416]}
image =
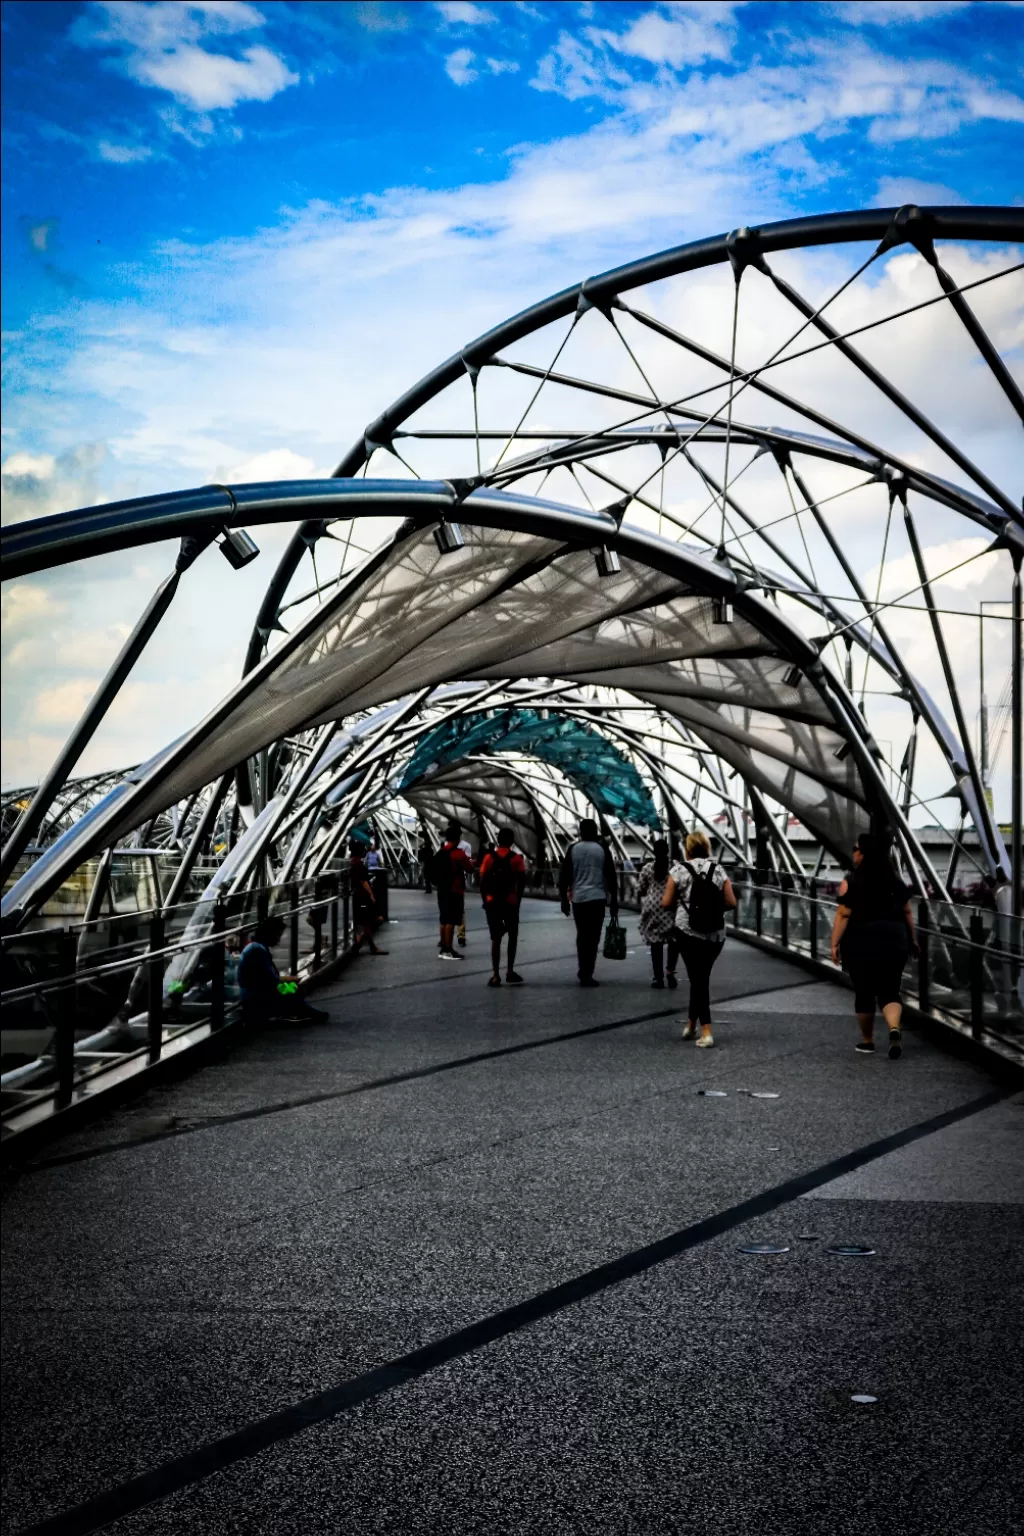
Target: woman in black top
{"type": "Point", "coordinates": [875, 926]}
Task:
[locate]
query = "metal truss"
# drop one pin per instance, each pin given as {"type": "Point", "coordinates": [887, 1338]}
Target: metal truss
{"type": "Point", "coordinates": [737, 624]}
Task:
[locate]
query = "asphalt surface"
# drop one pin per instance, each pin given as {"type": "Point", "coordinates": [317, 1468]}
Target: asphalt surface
{"type": "Point", "coordinates": [470, 1260]}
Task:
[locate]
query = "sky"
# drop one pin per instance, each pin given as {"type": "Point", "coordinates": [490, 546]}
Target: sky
{"type": "Point", "coordinates": [235, 232]}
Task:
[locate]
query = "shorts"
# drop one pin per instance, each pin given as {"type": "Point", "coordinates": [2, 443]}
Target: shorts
{"type": "Point", "coordinates": [451, 906]}
{"type": "Point", "coordinates": [874, 955]}
{"type": "Point", "coordinates": [502, 917]}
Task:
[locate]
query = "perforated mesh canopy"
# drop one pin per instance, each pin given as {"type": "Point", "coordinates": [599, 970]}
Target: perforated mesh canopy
{"type": "Point", "coordinates": [520, 605]}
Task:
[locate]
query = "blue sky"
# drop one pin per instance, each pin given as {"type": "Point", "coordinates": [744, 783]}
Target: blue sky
{"type": "Point", "coordinates": [234, 232]}
{"type": "Point", "coordinates": [174, 167]}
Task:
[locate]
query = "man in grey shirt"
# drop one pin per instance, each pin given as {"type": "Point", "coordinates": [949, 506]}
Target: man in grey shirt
{"type": "Point", "coordinates": [587, 881]}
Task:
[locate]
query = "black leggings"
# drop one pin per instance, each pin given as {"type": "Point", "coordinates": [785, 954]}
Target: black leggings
{"type": "Point", "coordinates": [699, 956]}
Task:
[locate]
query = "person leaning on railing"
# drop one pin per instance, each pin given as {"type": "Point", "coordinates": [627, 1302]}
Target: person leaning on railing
{"type": "Point", "coordinates": [874, 933]}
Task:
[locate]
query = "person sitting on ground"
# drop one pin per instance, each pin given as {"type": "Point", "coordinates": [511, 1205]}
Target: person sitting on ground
{"type": "Point", "coordinates": [657, 922]}
{"type": "Point", "coordinates": [586, 882]}
{"type": "Point", "coordinates": [267, 995]}
{"type": "Point", "coordinates": [502, 882]}
{"type": "Point", "coordinates": [701, 891]}
{"type": "Point", "coordinates": [448, 872]}
{"type": "Point", "coordinates": [875, 927]}
{"type": "Point", "coordinates": [364, 902]}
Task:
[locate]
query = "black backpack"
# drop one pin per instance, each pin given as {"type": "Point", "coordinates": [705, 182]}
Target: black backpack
{"type": "Point", "coordinates": [440, 868]}
{"type": "Point", "coordinates": [501, 880]}
{"type": "Point", "coordinates": [706, 906]}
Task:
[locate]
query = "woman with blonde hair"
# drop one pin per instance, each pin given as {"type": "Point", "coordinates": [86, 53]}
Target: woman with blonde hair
{"type": "Point", "coordinates": [701, 891]}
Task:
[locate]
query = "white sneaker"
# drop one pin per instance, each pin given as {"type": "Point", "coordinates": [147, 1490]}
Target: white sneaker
{"type": "Point", "coordinates": [705, 1043]}
{"type": "Point", "coordinates": [689, 1030]}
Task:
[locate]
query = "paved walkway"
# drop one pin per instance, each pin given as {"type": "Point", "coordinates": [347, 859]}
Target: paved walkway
{"type": "Point", "coordinates": [469, 1261]}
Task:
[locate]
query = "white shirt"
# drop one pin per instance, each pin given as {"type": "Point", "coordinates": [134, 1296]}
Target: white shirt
{"type": "Point", "coordinates": [683, 879]}
{"type": "Point", "coordinates": [466, 848]}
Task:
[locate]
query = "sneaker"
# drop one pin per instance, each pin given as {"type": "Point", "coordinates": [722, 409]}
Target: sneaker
{"type": "Point", "coordinates": [705, 1043]}
{"type": "Point", "coordinates": [449, 954]}
{"type": "Point", "coordinates": [689, 1030]}
{"type": "Point", "coordinates": [494, 981]}
{"type": "Point", "coordinates": [866, 1047]}
{"type": "Point", "coordinates": [513, 978]}
{"type": "Point", "coordinates": [895, 1045]}
{"type": "Point", "coordinates": [657, 984]}
{"type": "Point", "coordinates": [671, 979]}
{"type": "Point", "coordinates": [589, 981]}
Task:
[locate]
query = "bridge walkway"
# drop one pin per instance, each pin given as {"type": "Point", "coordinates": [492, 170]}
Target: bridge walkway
{"type": "Point", "coordinates": [464, 1260]}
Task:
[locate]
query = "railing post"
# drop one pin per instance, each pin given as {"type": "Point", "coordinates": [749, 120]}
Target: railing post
{"type": "Point", "coordinates": [977, 972]}
{"type": "Point", "coordinates": [924, 998]}
{"type": "Point", "coordinates": [784, 919]}
{"type": "Point", "coordinates": [292, 898]}
{"type": "Point", "coordinates": [334, 924]}
{"type": "Point", "coordinates": [346, 936]}
{"type": "Point", "coordinates": [217, 959]}
{"type": "Point", "coordinates": [67, 1009]}
{"type": "Point", "coordinates": [758, 910]}
{"type": "Point", "coordinates": [262, 905]}
{"type": "Point", "coordinates": [812, 893]}
{"type": "Point", "coordinates": [155, 971]}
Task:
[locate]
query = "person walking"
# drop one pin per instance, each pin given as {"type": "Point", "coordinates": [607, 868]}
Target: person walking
{"type": "Point", "coordinates": [701, 891]}
{"type": "Point", "coordinates": [448, 872]}
{"type": "Point", "coordinates": [465, 847]}
{"type": "Point", "coordinates": [657, 922]}
{"type": "Point", "coordinates": [364, 903]}
{"type": "Point", "coordinates": [587, 882]}
{"type": "Point", "coordinates": [502, 882]}
{"type": "Point", "coordinates": [874, 933]}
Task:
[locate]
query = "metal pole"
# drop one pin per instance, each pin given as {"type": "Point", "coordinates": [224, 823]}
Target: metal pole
{"type": "Point", "coordinates": [217, 960]}
{"type": "Point", "coordinates": [67, 1008]}
{"type": "Point", "coordinates": [982, 706]}
{"type": "Point", "coordinates": [1017, 770]}
{"type": "Point", "coordinates": [924, 1000]}
{"type": "Point", "coordinates": [155, 969]}
{"type": "Point", "coordinates": [334, 926]}
{"type": "Point", "coordinates": [292, 898]}
{"type": "Point", "coordinates": [813, 922]}
{"type": "Point", "coordinates": [976, 967]}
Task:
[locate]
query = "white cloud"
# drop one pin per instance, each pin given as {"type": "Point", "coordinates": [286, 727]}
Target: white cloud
{"type": "Point", "coordinates": [900, 575]}
{"type": "Point", "coordinates": [35, 484]}
{"type": "Point", "coordinates": [207, 81]}
{"type": "Point", "coordinates": [24, 604]}
{"type": "Point", "coordinates": [275, 464]}
{"type": "Point", "coordinates": [502, 66]}
{"type": "Point", "coordinates": [63, 705]}
{"type": "Point", "coordinates": [574, 70]}
{"type": "Point", "coordinates": [895, 191]}
{"type": "Point", "coordinates": [458, 66]}
{"type": "Point", "coordinates": [464, 13]}
{"type": "Point", "coordinates": [693, 35]}
{"type": "Point", "coordinates": [889, 13]}
{"type": "Point", "coordinates": [160, 45]}
{"type": "Point", "coordinates": [123, 154]}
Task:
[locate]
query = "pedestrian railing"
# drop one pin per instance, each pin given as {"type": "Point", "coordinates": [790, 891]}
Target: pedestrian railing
{"type": "Point", "coordinates": [89, 1004]}
{"type": "Point", "coordinates": [968, 971]}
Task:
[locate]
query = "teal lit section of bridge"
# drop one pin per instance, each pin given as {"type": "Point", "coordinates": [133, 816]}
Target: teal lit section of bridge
{"type": "Point", "coordinates": [608, 779]}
